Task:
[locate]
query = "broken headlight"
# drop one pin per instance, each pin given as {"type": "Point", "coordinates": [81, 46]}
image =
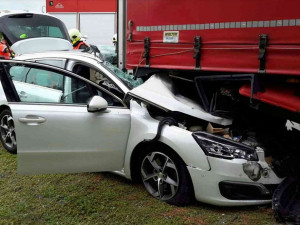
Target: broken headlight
{"type": "Point", "coordinates": [221, 147]}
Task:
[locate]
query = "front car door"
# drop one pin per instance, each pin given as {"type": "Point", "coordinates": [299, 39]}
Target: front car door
{"type": "Point", "coordinates": [55, 133]}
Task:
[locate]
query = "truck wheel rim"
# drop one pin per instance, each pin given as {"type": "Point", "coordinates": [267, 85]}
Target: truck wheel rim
{"type": "Point", "coordinates": [8, 134]}
{"type": "Point", "coordinates": [160, 175]}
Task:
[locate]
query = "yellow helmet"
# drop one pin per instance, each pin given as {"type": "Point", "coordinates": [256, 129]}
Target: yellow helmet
{"type": "Point", "coordinates": [75, 35]}
{"type": "Point", "coordinates": [114, 39]}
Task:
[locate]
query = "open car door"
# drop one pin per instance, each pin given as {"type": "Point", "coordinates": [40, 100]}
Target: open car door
{"type": "Point", "coordinates": [55, 133]}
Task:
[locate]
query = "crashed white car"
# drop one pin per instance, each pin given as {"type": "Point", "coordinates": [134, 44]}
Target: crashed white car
{"type": "Point", "coordinates": [79, 116]}
{"type": "Point", "coordinates": [71, 112]}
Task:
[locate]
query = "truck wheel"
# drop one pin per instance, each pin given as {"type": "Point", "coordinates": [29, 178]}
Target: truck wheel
{"type": "Point", "coordinates": [166, 178]}
{"type": "Point", "coordinates": [7, 132]}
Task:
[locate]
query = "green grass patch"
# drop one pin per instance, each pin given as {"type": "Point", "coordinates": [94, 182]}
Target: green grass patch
{"type": "Point", "coordinates": [102, 198]}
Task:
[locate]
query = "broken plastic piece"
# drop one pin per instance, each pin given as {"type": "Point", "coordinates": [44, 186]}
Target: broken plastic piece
{"type": "Point", "coordinates": [108, 53]}
{"type": "Point", "coordinates": [213, 130]}
{"type": "Point", "coordinates": [195, 128]}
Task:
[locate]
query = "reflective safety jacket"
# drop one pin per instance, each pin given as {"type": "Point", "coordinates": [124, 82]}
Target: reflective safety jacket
{"type": "Point", "coordinates": [4, 53]}
{"type": "Point", "coordinates": [80, 45]}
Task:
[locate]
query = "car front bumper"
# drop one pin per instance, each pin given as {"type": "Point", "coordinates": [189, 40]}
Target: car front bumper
{"type": "Point", "coordinates": [226, 184]}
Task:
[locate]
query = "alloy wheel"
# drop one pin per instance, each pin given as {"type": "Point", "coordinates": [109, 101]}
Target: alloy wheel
{"type": "Point", "coordinates": [8, 134]}
{"type": "Point", "coordinates": [160, 175]}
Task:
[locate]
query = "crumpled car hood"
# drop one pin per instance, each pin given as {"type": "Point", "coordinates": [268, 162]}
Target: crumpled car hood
{"type": "Point", "coordinates": [160, 91]}
{"type": "Point", "coordinates": [35, 45]}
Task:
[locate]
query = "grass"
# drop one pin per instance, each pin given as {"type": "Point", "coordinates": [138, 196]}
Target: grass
{"type": "Point", "coordinates": [102, 198]}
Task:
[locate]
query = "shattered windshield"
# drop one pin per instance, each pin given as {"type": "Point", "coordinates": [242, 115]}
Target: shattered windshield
{"type": "Point", "coordinates": [108, 53]}
{"type": "Point", "coordinates": [128, 79]}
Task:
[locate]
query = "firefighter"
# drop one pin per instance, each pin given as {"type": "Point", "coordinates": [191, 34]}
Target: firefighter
{"type": "Point", "coordinates": [4, 52]}
{"type": "Point", "coordinates": [114, 39]}
{"type": "Point", "coordinates": [77, 42]}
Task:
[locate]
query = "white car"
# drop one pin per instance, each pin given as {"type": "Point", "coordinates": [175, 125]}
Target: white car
{"type": "Point", "coordinates": [71, 112]}
{"type": "Point", "coordinates": [92, 121]}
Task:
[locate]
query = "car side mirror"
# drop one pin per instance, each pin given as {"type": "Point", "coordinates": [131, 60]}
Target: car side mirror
{"type": "Point", "coordinates": [97, 104]}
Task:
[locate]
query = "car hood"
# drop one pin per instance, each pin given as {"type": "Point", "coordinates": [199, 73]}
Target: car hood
{"type": "Point", "coordinates": [35, 45]}
{"type": "Point", "coordinates": [160, 91]}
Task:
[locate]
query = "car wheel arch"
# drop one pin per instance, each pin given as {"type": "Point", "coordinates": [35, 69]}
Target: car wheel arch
{"type": "Point", "coordinates": [144, 147]}
{"type": "Point", "coordinates": [141, 148]}
{"type": "Point", "coordinates": [4, 107]}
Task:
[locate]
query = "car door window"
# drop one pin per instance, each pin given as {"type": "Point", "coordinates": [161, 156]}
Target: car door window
{"type": "Point", "coordinates": [19, 73]}
{"type": "Point", "coordinates": [41, 85]}
{"type": "Point", "coordinates": [37, 85]}
{"type": "Point", "coordinates": [45, 78]}
{"type": "Point", "coordinates": [99, 78]}
{"type": "Point", "coordinates": [76, 91]}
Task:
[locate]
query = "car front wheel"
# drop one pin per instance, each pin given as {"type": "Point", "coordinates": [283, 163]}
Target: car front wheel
{"type": "Point", "coordinates": [166, 178]}
{"type": "Point", "coordinates": [7, 132]}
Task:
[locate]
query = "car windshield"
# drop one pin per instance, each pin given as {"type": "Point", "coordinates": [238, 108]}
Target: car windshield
{"type": "Point", "coordinates": [127, 79]}
{"type": "Point", "coordinates": [27, 25]}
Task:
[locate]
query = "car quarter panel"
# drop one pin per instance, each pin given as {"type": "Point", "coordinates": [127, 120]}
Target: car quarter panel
{"type": "Point", "coordinates": [144, 127]}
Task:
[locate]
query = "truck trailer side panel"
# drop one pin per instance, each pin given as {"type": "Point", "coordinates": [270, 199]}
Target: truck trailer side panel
{"type": "Point", "coordinates": [235, 36]}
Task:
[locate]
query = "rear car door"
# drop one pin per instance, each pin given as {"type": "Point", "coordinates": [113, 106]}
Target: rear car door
{"type": "Point", "coordinates": [55, 132]}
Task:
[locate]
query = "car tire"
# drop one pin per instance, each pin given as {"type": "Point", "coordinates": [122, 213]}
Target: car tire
{"type": "Point", "coordinates": [166, 177]}
{"type": "Point", "coordinates": [7, 132]}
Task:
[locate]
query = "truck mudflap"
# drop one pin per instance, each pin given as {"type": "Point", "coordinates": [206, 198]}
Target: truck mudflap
{"type": "Point", "coordinates": [286, 201]}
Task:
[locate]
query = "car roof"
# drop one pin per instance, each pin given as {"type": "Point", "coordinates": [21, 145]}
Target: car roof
{"type": "Point", "coordinates": [72, 54]}
{"type": "Point", "coordinates": [5, 12]}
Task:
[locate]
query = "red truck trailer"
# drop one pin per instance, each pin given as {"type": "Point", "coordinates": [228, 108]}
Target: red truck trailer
{"type": "Point", "coordinates": [236, 36]}
{"type": "Point", "coordinates": [259, 37]}
{"type": "Point", "coordinates": [236, 58]}
{"type": "Point", "coordinates": [197, 37]}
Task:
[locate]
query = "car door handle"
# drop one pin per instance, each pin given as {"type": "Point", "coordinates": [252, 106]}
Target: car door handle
{"type": "Point", "coordinates": [32, 120]}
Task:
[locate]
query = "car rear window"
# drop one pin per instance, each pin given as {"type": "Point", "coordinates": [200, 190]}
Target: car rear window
{"type": "Point", "coordinates": [23, 26]}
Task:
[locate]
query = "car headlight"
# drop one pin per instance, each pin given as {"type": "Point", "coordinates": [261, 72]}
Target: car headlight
{"type": "Point", "coordinates": [221, 147]}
